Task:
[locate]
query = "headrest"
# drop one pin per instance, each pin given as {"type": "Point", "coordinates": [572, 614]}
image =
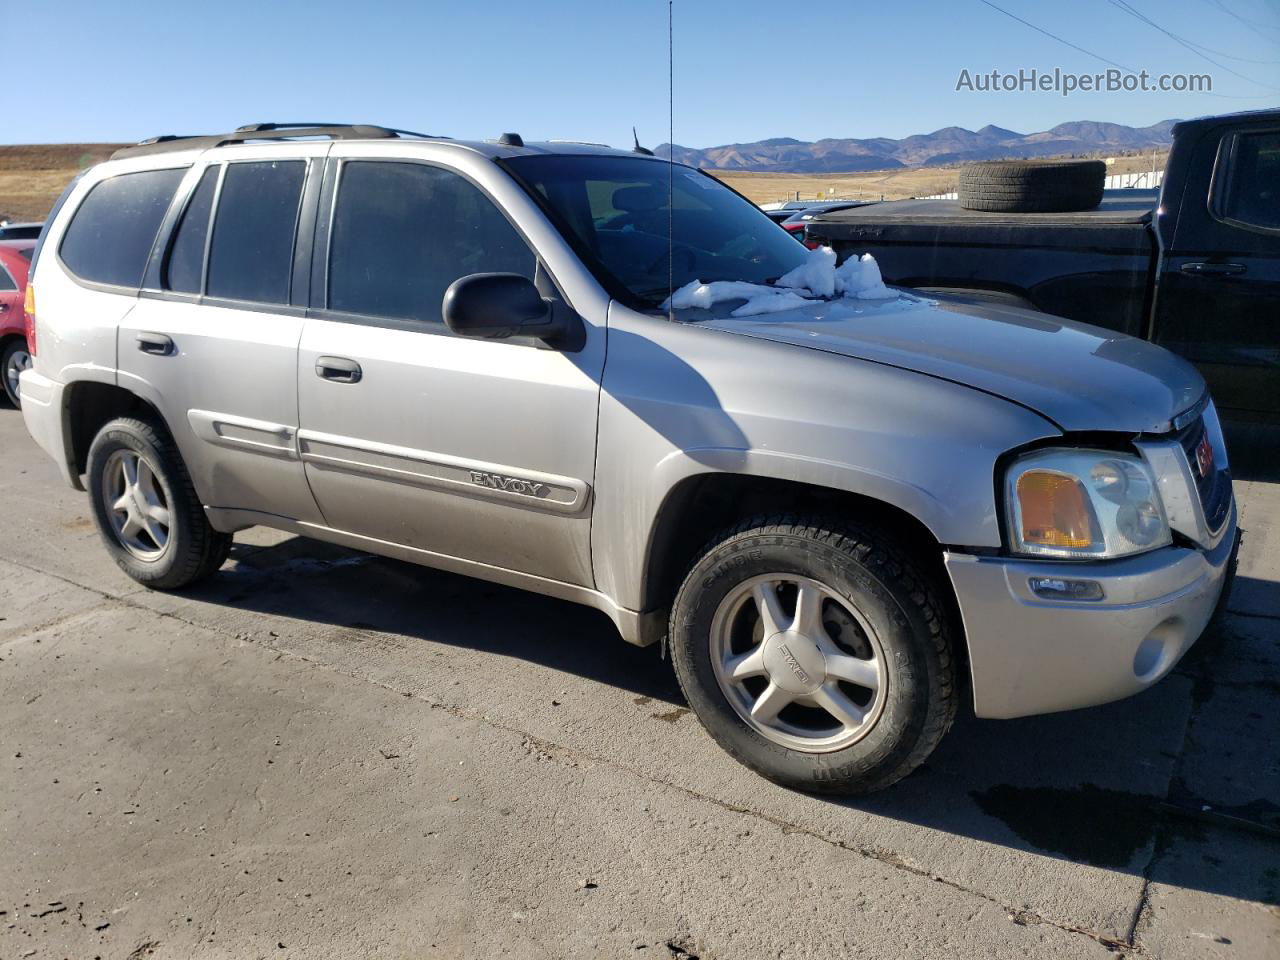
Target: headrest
{"type": "Point", "coordinates": [638, 199]}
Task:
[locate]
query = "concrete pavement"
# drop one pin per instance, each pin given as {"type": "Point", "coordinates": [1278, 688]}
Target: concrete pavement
{"type": "Point", "coordinates": [322, 753]}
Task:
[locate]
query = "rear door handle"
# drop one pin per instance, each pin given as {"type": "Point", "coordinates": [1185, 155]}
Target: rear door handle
{"type": "Point", "coordinates": [158, 343]}
{"type": "Point", "coordinates": [338, 369]}
{"type": "Point", "coordinates": [1212, 268]}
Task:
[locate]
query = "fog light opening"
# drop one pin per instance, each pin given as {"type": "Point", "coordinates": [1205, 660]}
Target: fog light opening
{"type": "Point", "coordinates": [1061, 588]}
{"type": "Point", "coordinates": [1157, 650]}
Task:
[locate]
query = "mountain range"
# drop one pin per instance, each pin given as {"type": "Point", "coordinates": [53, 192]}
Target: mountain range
{"type": "Point", "coordinates": [950, 145]}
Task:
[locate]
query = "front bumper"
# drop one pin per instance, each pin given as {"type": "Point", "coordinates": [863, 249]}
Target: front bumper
{"type": "Point", "coordinates": [1028, 655]}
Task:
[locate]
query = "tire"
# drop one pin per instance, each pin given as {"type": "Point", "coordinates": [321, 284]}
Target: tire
{"type": "Point", "coordinates": [156, 555]}
{"type": "Point", "coordinates": [876, 605]}
{"type": "Point", "coordinates": [13, 360]}
{"type": "Point", "coordinates": [1032, 186]}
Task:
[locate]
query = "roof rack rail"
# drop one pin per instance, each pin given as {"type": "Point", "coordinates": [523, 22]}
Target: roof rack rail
{"type": "Point", "coordinates": [266, 131]}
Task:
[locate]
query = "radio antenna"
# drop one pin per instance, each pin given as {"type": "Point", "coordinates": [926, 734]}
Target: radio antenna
{"type": "Point", "coordinates": [671, 161]}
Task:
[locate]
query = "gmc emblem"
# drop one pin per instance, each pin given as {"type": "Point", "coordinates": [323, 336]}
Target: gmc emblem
{"type": "Point", "coordinates": [1204, 457]}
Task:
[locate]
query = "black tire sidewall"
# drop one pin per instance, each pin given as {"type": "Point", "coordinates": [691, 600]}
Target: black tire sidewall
{"type": "Point", "coordinates": [13, 347]}
{"type": "Point", "coordinates": [1032, 186]}
{"type": "Point", "coordinates": [903, 632]}
{"type": "Point", "coordinates": [171, 568]}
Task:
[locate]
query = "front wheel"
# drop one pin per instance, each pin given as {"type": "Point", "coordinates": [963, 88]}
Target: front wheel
{"type": "Point", "coordinates": [815, 654]}
{"type": "Point", "coordinates": [15, 358]}
{"type": "Point", "coordinates": [146, 508]}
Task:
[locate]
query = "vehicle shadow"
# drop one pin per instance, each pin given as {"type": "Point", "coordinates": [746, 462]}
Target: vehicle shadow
{"type": "Point", "coordinates": [1178, 785]}
{"type": "Point", "coordinates": [320, 582]}
{"type": "Point", "coordinates": [1253, 450]}
{"type": "Point", "coordinates": [1116, 787]}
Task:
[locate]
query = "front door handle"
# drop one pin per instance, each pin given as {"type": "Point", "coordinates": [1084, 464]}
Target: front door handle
{"type": "Point", "coordinates": [157, 343]}
{"type": "Point", "coordinates": [1213, 268]}
{"type": "Point", "coordinates": [338, 369]}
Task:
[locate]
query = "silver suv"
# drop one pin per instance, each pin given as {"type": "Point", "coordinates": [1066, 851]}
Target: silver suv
{"type": "Point", "coordinates": [842, 517]}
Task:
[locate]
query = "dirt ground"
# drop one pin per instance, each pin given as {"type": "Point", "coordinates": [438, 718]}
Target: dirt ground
{"type": "Point", "coordinates": [31, 177]}
{"type": "Point", "coordinates": [320, 753]}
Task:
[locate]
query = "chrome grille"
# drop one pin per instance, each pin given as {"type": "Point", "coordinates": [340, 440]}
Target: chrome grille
{"type": "Point", "coordinates": [1213, 485]}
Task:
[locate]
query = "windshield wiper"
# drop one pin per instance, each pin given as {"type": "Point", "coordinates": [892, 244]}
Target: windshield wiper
{"type": "Point", "coordinates": [657, 294]}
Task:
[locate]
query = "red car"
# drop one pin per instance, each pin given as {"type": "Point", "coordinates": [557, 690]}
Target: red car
{"type": "Point", "coordinates": [15, 356]}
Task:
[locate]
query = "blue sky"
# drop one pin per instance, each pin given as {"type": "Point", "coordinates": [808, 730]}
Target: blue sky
{"type": "Point", "coordinates": [744, 70]}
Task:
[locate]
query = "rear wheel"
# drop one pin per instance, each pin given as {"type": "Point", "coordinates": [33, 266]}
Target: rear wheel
{"type": "Point", "coordinates": [815, 654]}
{"type": "Point", "coordinates": [146, 509]}
{"type": "Point", "coordinates": [14, 359]}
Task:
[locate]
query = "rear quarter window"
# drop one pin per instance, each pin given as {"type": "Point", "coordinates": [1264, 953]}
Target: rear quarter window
{"type": "Point", "coordinates": [185, 270]}
{"type": "Point", "coordinates": [112, 231]}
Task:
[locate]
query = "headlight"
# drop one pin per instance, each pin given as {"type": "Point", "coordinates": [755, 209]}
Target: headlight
{"type": "Point", "coordinates": [1083, 503]}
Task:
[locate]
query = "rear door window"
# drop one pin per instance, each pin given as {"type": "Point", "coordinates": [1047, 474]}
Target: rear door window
{"type": "Point", "coordinates": [251, 255]}
{"type": "Point", "coordinates": [1251, 194]}
{"type": "Point", "coordinates": [185, 271]}
{"type": "Point", "coordinates": [111, 234]}
{"type": "Point", "coordinates": [6, 282]}
{"type": "Point", "coordinates": [403, 232]}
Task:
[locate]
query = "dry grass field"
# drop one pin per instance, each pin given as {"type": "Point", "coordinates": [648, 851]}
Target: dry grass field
{"type": "Point", "coordinates": [31, 177]}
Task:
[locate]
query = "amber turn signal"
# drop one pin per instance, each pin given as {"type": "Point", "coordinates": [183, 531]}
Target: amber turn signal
{"type": "Point", "coordinates": [29, 317]}
{"type": "Point", "coordinates": [1055, 510]}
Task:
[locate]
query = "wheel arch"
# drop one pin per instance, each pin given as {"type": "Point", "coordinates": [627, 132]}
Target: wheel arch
{"type": "Point", "coordinates": [88, 405]}
{"type": "Point", "coordinates": [699, 505]}
{"type": "Point", "coordinates": [704, 504]}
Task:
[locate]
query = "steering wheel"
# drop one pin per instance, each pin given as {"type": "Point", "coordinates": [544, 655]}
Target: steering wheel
{"type": "Point", "coordinates": [683, 259]}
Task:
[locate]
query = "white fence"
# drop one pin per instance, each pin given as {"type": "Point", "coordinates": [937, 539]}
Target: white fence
{"type": "Point", "coordinates": [1144, 180]}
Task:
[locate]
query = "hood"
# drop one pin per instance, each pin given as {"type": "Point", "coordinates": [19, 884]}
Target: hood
{"type": "Point", "coordinates": [1079, 376]}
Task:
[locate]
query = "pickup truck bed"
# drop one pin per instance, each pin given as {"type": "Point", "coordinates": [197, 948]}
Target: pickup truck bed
{"type": "Point", "coordinates": [1196, 269]}
{"type": "Point", "coordinates": [1093, 264]}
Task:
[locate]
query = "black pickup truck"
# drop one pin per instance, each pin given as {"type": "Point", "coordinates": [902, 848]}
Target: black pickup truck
{"type": "Point", "coordinates": [1195, 268]}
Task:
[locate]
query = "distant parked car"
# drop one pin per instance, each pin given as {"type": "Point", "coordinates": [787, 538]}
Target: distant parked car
{"type": "Point", "coordinates": [795, 223]}
{"type": "Point", "coordinates": [15, 261]}
{"type": "Point", "coordinates": [19, 231]}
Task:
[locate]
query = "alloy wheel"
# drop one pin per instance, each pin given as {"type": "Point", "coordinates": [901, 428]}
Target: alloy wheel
{"type": "Point", "coordinates": [18, 361]}
{"type": "Point", "coordinates": [137, 505]}
{"type": "Point", "coordinates": [798, 662]}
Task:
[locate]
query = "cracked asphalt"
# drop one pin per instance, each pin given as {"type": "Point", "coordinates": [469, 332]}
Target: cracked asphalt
{"type": "Point", "coordinates": [326, 754]}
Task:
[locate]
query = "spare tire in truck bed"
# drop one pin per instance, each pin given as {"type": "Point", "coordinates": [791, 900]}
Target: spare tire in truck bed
{"type": "Point", "coordinates": [1032, 186]}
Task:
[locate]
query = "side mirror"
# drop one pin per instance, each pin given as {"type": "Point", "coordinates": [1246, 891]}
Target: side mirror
{"type": "Point", "coordinates": [495, 306]}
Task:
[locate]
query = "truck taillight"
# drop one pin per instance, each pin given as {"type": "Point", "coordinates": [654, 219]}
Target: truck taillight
{"type": "Point", "coordinates": [29, 318]}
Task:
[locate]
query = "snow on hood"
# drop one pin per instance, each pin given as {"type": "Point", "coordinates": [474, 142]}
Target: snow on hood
{"type": "Point", "coordinates": [817, 278]}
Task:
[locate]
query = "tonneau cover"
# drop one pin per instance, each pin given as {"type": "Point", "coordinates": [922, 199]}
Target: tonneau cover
{"type": "Point", "coordinates": [1117, 207]}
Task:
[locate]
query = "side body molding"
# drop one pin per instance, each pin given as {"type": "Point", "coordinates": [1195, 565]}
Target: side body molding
{"type": "Point", "coordinates": [515, 486]}
{"type": "Point", "coordinates": [244, 433]}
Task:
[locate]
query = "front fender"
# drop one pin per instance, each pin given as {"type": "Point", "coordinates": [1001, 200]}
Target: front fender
{"type": "Point", "coordinates": [923, 504]}
{"type": "Point", "coordinates": [679, 400]}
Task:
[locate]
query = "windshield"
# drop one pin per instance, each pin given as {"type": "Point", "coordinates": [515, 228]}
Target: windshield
{"type": "Point", "coordinates": [614, 211]}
